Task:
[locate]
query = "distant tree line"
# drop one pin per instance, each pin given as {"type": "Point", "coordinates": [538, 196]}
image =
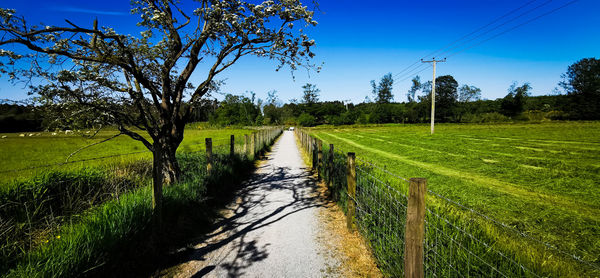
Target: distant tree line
{"type": "Point", "coordinates": [18, 118]}
{"type": "Point", "coordinates": [454, 103]}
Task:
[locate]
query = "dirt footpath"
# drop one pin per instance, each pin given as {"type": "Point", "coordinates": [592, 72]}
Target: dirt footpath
{"type": "Point", "coordinates": [280, 226]}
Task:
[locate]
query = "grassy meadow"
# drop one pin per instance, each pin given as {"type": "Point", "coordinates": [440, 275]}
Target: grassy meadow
{"type": "Point", "coordinates": [60, 218]}
{"type": "Point", "coordinates": [539, 179]}
{"type": "Point", "coordinates": [48, 148]}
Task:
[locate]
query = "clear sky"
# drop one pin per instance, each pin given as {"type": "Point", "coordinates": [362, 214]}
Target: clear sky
{"type": "Point", "coordinates": [358, 41]}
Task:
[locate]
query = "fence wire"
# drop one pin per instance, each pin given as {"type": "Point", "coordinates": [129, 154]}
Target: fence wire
{"type": "Point", "coordinates": [219, 146]}
{"type": "Point", "coordinates": [454, 246]}
{"type": "Point", "coordinates": [454, 249]}
{"type": "Point", "coordinates": [381, 218]}
{"type": "Point", "coordinates": [32, 209]}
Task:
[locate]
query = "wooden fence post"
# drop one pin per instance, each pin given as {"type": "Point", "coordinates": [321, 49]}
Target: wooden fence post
{"type": "Point", "coordinates": [307, 143]}
{"type": "Point", "coordinates": [351, 178]}
{"type": "Point", "coordinates": [209, 156]}
{"type": "Point", "coordinates": [304, 141]}
{"type": "Point", "coordinates": [232, 146]}
{"type": "Point", "coordinates": [330, 165]}
{"type": "Point", "coordinates": [259, 135]}
{"type": "Point", "coordinates": [313, 142]}
{"type": "Point", "coordinates": [415, 229]}
{"type": "Point", "coordinates": [246, 144]}
{"type": "Point", "coordinates": [319, 158]}
{"type": "Point", "coordinates": [254, 144]}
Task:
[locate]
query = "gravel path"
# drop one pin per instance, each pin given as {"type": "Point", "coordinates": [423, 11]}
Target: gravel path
{"type": "Point", "coordinates": [273, 230]}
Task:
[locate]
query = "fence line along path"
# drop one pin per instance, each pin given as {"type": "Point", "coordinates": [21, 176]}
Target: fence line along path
{"type": "Point", "coordinates": [272, 230]}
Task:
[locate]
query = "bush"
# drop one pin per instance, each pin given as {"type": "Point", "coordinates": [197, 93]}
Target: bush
{"type": "Point", "coordinates": [363, 119]}
{"type": "Point", "coordinates": [291, 122]}
{"type": "Point", "coordinates": [306, 119]}
{"type": "Point", "coordinates": [534, 115]}
{"type": "Point", "coordinates": [493, 117]}
{"type": "Point", "coordinates": [556, 115]}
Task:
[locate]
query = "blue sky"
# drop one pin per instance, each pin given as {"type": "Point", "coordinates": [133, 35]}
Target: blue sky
{"type": "Point", "coordinates": [358, 41]}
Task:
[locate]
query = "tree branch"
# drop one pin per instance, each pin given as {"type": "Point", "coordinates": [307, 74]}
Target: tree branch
{"type": "Point", "coordinates": [97, 143]}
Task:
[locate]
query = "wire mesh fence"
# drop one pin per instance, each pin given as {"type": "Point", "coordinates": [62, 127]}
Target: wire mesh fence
{"type": "Point", "coordinates": [459, 242]}
{"type": "Point", "coordinates": [454, 249]}
{"type": "Point", "coordinates": [381, 218]}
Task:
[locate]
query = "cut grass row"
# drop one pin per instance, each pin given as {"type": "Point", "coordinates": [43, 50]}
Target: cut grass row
{"type": "Point", "coordinates": [558, 206]}
{"type": "Point", "coordinates": [525, 173]}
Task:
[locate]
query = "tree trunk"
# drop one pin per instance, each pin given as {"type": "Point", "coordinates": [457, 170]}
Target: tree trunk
{"type": "Point", "coordinates": [165, 164]}
{"type": "Point", "coordinates": [165, 171]}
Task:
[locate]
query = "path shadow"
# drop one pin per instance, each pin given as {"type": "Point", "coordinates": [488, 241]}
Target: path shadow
{"type": "Point", "coordinates": [255, 209]}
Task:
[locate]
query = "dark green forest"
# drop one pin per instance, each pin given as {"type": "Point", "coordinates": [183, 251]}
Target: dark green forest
{"type": "Point", "coordinates": [17, 118]}
{"type": "Point", "coordinates": [579, 100]}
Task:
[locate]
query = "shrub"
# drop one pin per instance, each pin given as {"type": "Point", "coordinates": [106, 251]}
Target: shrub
{"type": "Point", "coordinates": [306, 119]}
{"type": "Point", "coordinates": [556, 115]}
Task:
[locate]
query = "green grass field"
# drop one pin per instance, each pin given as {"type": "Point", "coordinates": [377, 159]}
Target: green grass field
{"type": "Point", "coordinates": [63, 218]}
{"type": "Point", "coordinates": [541, 179]}
{"type": "Point", "coordinates": [44, 148]}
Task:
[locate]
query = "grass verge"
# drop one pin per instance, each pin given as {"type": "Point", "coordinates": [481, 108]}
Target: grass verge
{"type": "Point", "coordinates": [116, 238]}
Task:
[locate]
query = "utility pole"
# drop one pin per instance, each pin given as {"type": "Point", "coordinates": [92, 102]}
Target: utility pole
{"type": "Point", "coordinates": [433, 61]}
{"type": "Point", "coordinates": [345, 102]}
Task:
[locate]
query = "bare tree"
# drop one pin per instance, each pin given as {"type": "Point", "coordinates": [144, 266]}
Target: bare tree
{"type": "Point", "coordinates": [142, 83]}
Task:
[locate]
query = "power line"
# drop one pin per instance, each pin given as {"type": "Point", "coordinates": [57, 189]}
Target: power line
{"type": "Point", "coordinates": [405, 69]}
{"type": "Point", "coordinates": [481, 28]}
{"type": "Point", "coordinates": [409, 77]}
{"type": "Point", "coordinates": [451, 51]}
{"type": "Point", "coordinates": [515, 27]}
{"type": "Point", "coordinates": [465, 36]}
{"type": "Point", "coordinates": [496, 27]}
{"type": "Point", "coordinates": [411, 72]}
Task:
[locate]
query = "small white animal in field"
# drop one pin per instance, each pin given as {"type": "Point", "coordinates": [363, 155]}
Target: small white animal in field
{"type": "Point", "coordinates": [21, 135]}
{"type": "Point", "coordinates": [4, 136]}
{"type": "Point", "coordinates": [53, 133]}
{"type": "Point", "coordinates": [68, 131]}
{"type": "Point", "coordinates": [87, 132]}
{"type": "Point", "coordinates": [30, 134]}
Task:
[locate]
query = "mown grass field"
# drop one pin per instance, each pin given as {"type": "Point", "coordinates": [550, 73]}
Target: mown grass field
{"type": "Point", "coordinates": [542, 179]}
{"type": "Point", "coordinates": [44, 148]}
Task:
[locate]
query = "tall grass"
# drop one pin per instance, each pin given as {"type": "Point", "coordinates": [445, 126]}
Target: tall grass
{"type": "Point", "coordinates": [117, 236]}
{"type": "Point", "coordinates": [33, 209]}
